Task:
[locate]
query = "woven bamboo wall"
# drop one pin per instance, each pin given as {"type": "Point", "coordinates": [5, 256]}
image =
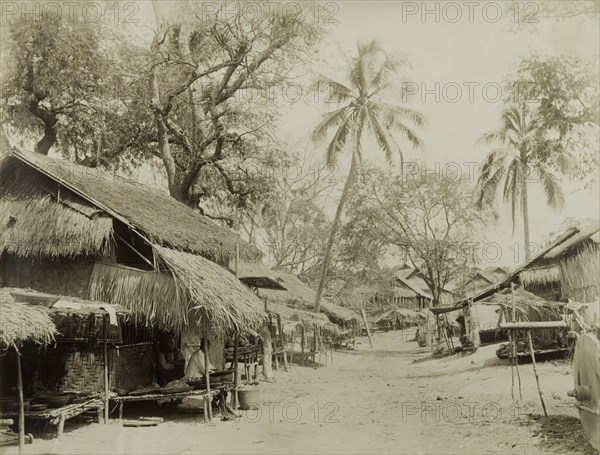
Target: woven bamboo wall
{"type": "Point", "coordinates": [68, 277]}
{"type": "Point", "coordinates": [67, 367]}
{"type": "Point", "coordinates": [133, 366]}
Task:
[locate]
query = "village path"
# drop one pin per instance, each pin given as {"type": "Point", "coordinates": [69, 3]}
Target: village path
{"type": "Point", "coordinates": [390, 399]}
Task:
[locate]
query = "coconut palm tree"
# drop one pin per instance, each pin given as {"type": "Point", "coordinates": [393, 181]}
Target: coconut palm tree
{"type": "Point", "coordinates": [362, 110]}
{"type": "Point", "coordinates": [507, 170]}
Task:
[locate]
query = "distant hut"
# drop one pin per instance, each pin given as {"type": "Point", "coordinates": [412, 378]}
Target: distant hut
{"type": "Point", "coordinates": [409, 294]}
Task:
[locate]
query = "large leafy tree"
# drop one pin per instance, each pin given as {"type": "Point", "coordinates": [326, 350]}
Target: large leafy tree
{"type": "Point", "coordinates": [64, 85]}
{"type": "Point", "coordinates": [204, 71]}
{"type": "Point", "coordinates": [563, 90]}
{"type": "Point", "coordinates": [508, 169]}
{"type": "Point", "coordinates": [370, 76]}
{"type": "Point", "coordinates": [428, 218]}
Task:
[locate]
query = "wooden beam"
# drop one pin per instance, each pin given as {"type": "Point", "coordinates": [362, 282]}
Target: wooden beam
{"type": "Point", "coordinates": [106, 379]}
{"type": "Point", "coordinates": [532, 325]}
{"type": "Point", "coordinates": [136, 251]}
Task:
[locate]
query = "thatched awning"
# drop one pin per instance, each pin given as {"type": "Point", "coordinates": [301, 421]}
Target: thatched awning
{"type": "Point", "coordinates": [258, 275]}
{"type": "Point", "coordinates": [307, 318]}
{"type": "Point", "coordinates": [64, 225]}
{"type": "Point", "coordinates": [23, 322]}
{"type": "Point", "coordinates": [299, 294]}
{"type": "Point", "coordinates": [528, 306]}
{"type": "Point", "coordinates": [540, 276]}
{"type": "Point", "coordinates": [191, 288]}
{"type": "Point", "coordinates": [401, 314]}
{"type": "Point", "coordinates": [214, 292]}
{"type": "Point", "coordinates": [338, 312]}
{"type": "Point", "coordinates": [161, 218]}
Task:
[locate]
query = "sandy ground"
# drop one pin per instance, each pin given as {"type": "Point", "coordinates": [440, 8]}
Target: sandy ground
{"type": "Point", "coordinates": [393, 398]}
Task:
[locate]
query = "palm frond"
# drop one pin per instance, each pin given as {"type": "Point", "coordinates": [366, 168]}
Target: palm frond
{"type": "Point", "coordinates": [394, 114]}
{"type": "Point", "coordinates": [388, 69]}
{"type": "Point", "coordinates": [493, 171]}
{"type": "Point", "coordinates": [339, 139]}
{"type": "Point", "coordinates": [337, 92]}
{"type": "Point", "coordinates": [330, 120]}
{"type": "Point", "coordinates": [385, 140]}
{"type": "Point", "coordinates": [554, 193]}
{"type": "Point", "coordinates": [512, 189]}
{"type": "Point", "coordinates": [491, 137]}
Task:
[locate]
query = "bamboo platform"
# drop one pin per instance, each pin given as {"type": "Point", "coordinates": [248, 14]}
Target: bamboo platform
{"type": "Point", "coordinates": [121, 399]}
{"type": "Point", "coordinates": [58, 416]}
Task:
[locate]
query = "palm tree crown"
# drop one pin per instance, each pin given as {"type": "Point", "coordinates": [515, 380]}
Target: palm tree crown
{"type": "Point", "coordinates": [508, 169]}
{"type": "Point", "coordinates": [362, 109]}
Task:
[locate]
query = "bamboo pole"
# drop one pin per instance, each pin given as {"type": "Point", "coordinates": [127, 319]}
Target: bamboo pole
{"type": "Point", "coordinates": [514, 339]}
{"type": "Point", "coordinates": [20, 400]}
{"type": "Point", "coordinates": [364, 316]}
{"type": "Point", "coordinates": [207, 372]}
{"type": "Point", "coordinates": [532, 325]}
{"type": "Point", "coordinates": [105, 346]}
{"type": "Point", "coordinates": [237, 260]}
{"type": "Point", "coordinates": [234, 398]}
{"type": "Point", "coordinates": [537, 379]}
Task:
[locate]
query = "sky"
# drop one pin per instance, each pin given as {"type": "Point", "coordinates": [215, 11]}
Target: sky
{"type": "Point", "coordinates": [460, 54]}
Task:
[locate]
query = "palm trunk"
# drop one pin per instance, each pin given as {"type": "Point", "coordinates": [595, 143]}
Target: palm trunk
{"type": "Point", "coordinates": [333, 232]}
{"type": "Point", "coordinates": [525, 207]}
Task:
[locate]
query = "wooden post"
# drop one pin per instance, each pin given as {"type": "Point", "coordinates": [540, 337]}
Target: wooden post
{"type": "Point", "coordinates": [514, 348]}
{"type": "Point", "coordinates": [206, 372]}
{"type": "Point", "coordinates": [537, 379]}
{"type": "Point", "coordinates": [106, 385]}
{"type": "Point", "coordinates": [237, 259]}
{"type": "Point", "coordinates": [364, 316]}
{"type": "Point", "coordinates": [20, 400]}
{"type": "Point", "coordinates": [234, 398]}
{"type": "Point", "coordinates": [282, 340]}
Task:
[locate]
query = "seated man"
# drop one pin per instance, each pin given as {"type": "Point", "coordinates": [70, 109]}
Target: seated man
{"type": "Point", "coordinates": [196, 368]}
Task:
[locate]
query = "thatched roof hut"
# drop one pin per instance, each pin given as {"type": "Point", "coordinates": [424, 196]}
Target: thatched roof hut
{"type": "Point", "coordinates": [22, 322]}
{"type": "Point", "coordinates": [52, 208]}
{"type": "Point", "coordinates": [162, 219]}
{"type": "Point", "coordinates": [567, 268]}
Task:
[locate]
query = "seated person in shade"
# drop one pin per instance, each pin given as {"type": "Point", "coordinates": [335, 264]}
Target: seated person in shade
{"type": "Point", "coordinates": [170, 362]}
{"type": "Point", "coordinates": [196, 368]}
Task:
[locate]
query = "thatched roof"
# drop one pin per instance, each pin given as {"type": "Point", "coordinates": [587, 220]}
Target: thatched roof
{"type": "Point", "coordinates": [150, 212]}
{"type": "Point", "coordinates": [412, 287]}
{"type": "Point", "coordinates": [528, 306]}
{"type": "Point", "coordinates": [540, 275]}
{"type": "Point", "coordinates": [559, 248]}
{"type": "Point", "coordinates": [589, 233]}
{"type": "Point", "coordinates": [65, 225]}
{"type": "Point", "coordinates": [215, 292]}
{"type": "Point", "coordinates": [192, 288]}
{"type": "Point", "coordinates": [22, 322]}
{"type": "Point", "coordinates": [401, 314]}
{"type": "Point", "coordinates": [258, 275]}
{"type": "Point", "coordinates": [303, 296]}
{"type": "Point", "coordinates": [306, 318]}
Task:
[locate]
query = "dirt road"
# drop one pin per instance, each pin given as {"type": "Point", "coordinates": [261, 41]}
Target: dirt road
{"type": "Point", "coordinates": [390, 399]}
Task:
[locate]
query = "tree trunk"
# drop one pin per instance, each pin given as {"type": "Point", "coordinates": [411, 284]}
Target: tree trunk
{"type": "Point", "coordinates": [525, 208]}
{"type": "Point", "coordinates": [333, 232]}
{"type": "Point", "coordinates": [45, 143]}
